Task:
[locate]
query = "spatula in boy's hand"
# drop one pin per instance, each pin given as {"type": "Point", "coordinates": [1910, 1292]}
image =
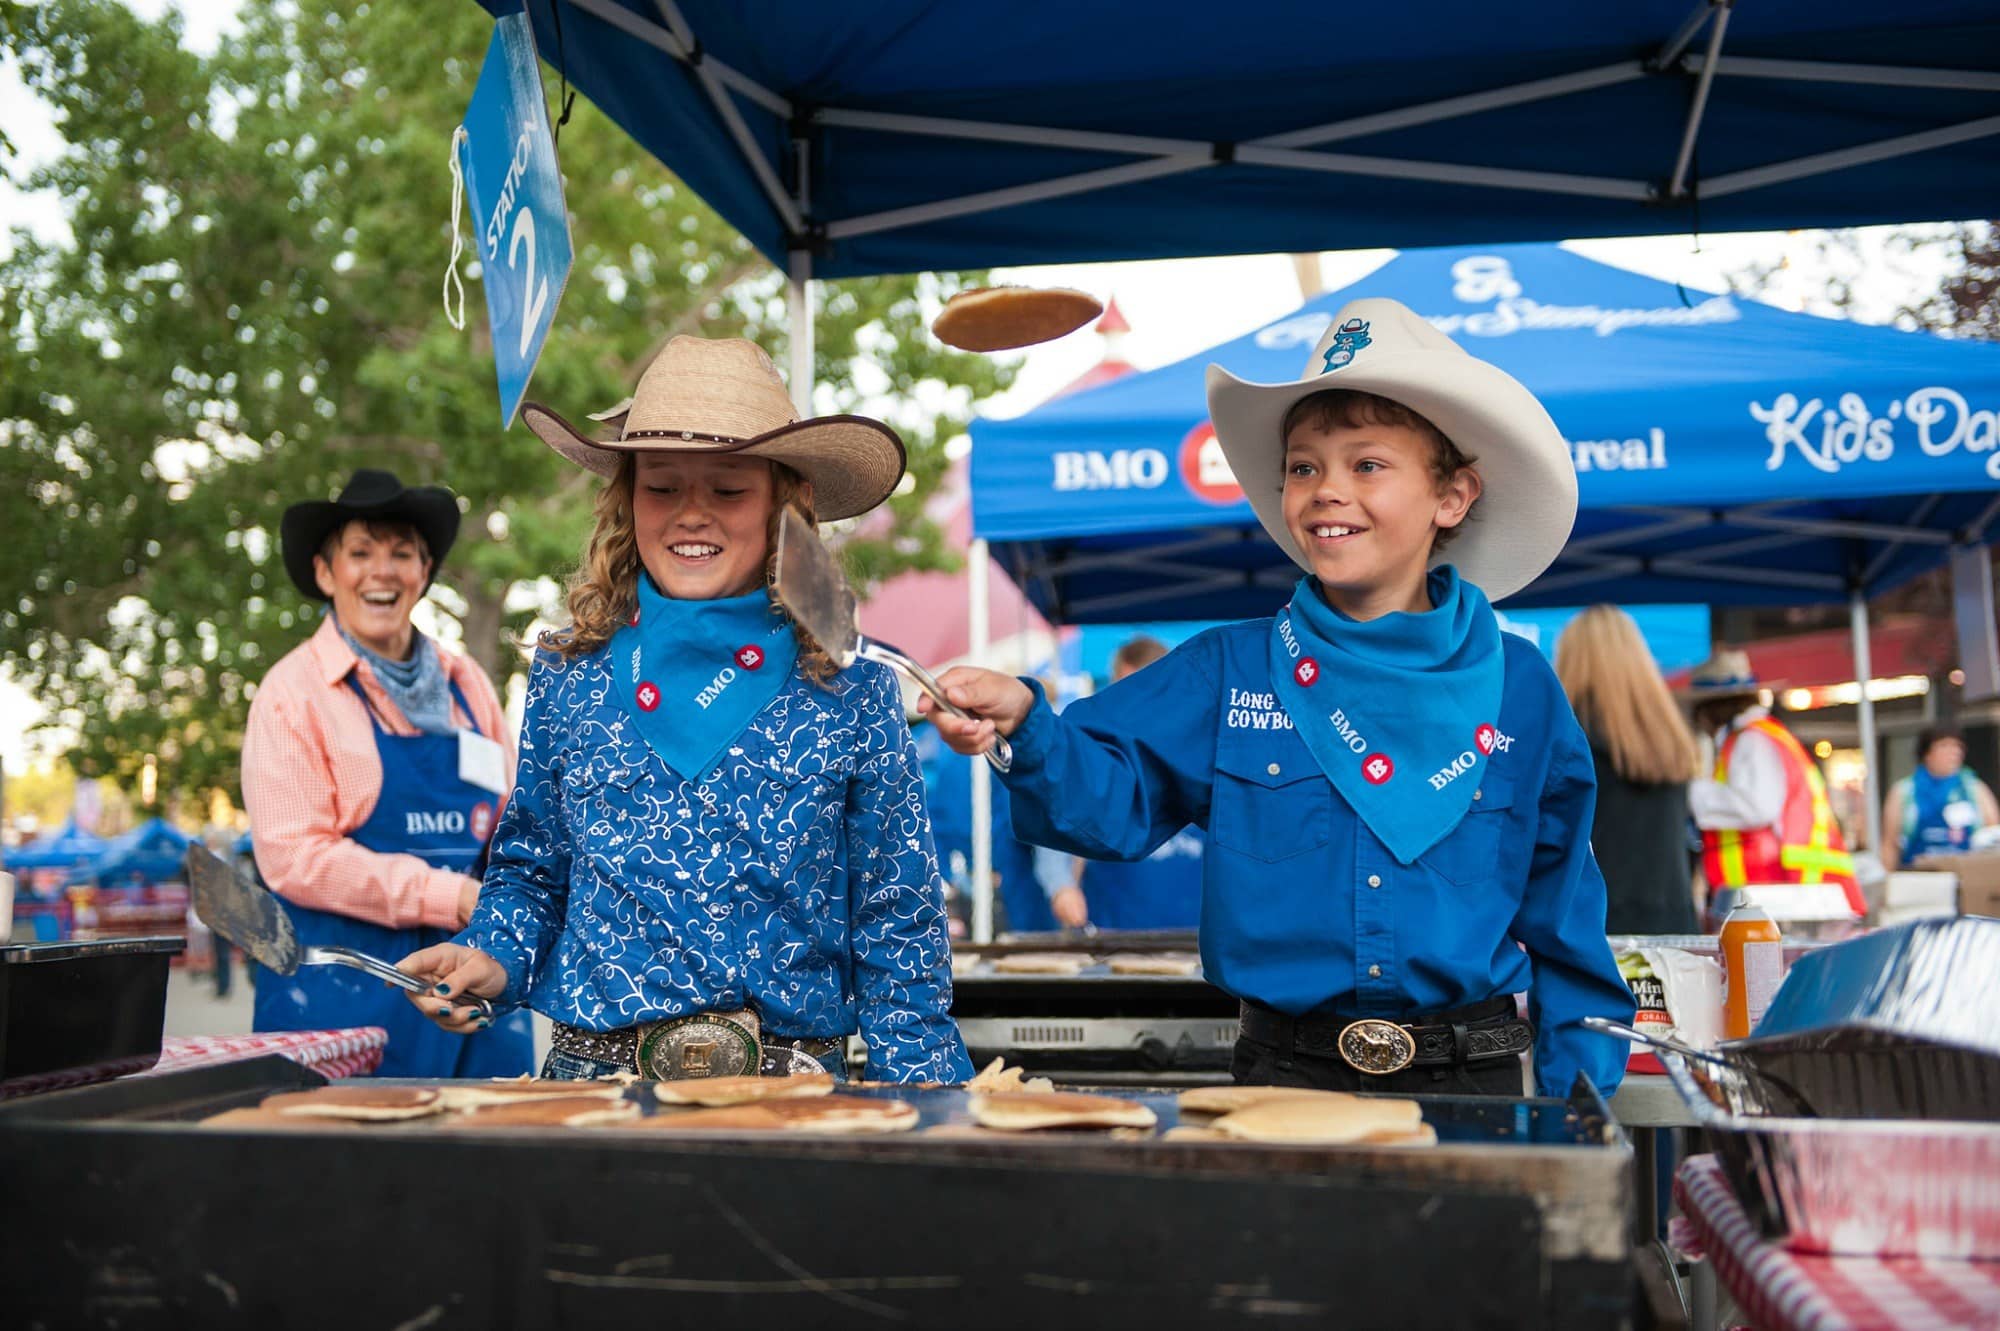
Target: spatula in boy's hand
{"type": "Point", "coordinates": [814, 592]}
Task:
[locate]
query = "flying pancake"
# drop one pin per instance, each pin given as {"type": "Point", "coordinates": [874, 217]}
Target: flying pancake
{"type": "Point", "coordinates": [1003, 318]}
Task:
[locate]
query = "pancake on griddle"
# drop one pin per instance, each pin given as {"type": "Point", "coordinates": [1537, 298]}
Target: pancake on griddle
{"type": "Point", "coordinates": [257, 1116]}
{"type": "Point", "coordinates": [714, 1092]}
{"type": "Point", "coordinates": [575, 1111]}
{"type": "Point", "coordinates": [996, 1078]}
{"type": "Point", "coordinates": [1219, 1100]}
{"type": "Point", "coordinates": [471, 1095]}
{"type": "Point", "coordinates": [1041, 963]}
{"type": "Point", "coordinates": [1321, 1122]}
{"type": "Point", "coordinates": [1164, 964]}
{"type": "Point", "coordinates": [1034, 1111]}
{"type": "Point", "coordinates": [825, 1114]}
{"type": "Point", "coordinates": [360, 1102]}
{"type": "Point", "coordinates": [1003, 318]}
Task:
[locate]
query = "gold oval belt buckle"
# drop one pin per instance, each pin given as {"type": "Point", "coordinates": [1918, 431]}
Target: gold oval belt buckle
{"type": "Point", "coordinates": [1377, 1047]}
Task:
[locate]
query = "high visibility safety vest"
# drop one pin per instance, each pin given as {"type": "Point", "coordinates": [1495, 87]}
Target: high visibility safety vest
{"type": "Point", "coordinates": [1804, 847]}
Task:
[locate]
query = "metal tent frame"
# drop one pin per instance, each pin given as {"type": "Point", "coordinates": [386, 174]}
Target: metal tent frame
{"type": "Point", "coordinates": [1305, 149]}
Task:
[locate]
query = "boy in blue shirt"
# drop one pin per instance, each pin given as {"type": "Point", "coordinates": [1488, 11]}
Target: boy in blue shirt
{"type": "Point", "coordinates": [1396, 794]}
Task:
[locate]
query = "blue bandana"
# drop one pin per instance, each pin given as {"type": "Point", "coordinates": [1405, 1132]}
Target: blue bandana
{"type": "Point", "coordinates": [417, 686]}
{"type": "Point", "coordinates": [693, 673]}
{"type": "Point", "coordinates": [1399, 710]}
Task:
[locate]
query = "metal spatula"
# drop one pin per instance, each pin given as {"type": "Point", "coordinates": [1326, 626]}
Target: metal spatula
{"type": "Point", "coordinates": [813, 590]}
{"type": "Point", "coordinates": [231, 903]}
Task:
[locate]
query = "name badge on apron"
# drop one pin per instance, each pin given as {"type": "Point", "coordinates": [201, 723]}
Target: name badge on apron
{"type": "Point", "coordinates": [482, 762]}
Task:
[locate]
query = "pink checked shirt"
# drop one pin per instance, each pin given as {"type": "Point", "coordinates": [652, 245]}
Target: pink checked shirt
{"type": "Point", "coordinates": [311, 776]}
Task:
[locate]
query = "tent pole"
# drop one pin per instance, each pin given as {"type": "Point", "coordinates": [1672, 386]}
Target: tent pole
{"type": "Point", "coordinates": [799, 317]}
{"type": "Point", "coordinates": [1864, 671]}
{"type": "Point", "coordinates": [979, 607]}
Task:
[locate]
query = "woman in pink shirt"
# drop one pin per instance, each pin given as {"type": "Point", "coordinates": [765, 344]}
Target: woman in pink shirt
{"type": "Point", "coordinates": [375, 764]}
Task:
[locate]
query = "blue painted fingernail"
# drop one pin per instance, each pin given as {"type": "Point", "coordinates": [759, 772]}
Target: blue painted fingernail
{"type": "Point", "coordinates": [445, 1011]}
{"type": "Point", "coordinates": [444, 988]}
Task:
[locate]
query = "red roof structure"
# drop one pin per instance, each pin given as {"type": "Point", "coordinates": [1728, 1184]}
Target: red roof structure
{"type": "Point", "coordinates": [1899, 645]}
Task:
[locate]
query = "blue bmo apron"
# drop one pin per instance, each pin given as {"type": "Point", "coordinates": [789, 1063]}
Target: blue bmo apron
{"type": "Point", "coordinates": [428, 811]}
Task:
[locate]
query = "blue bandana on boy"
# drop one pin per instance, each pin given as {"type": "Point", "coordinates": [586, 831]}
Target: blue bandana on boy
{"type": "Point", "coordinates": [693, 673]}
{"type": "Point", "coordinates": [1399, 710]}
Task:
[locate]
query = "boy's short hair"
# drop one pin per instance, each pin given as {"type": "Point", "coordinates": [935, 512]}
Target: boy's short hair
{"type": "Point", "coordinates": [382, 530]}
{"type": "Point", "coordinates": [1345, 408]}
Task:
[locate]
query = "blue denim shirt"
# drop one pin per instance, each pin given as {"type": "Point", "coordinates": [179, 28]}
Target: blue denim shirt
{"type": "Point", "coordinates": [796, 877]}
{"type": "Point", "coordinates": [1303, 909]}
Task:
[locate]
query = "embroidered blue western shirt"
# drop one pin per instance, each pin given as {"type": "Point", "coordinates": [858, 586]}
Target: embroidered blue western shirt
{"type": "Point", "coordinates": [1303, 909]}
{"type": "Point", "coordinates": [795, 876]}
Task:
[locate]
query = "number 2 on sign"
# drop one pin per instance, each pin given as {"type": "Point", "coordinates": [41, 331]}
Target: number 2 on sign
{"type": "Point", "coordinates": [531, 318]}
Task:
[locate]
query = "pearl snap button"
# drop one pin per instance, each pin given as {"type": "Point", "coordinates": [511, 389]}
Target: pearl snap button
{"type": "Point", "coordinates": [1272, 769]}
{"type": "Point", "coordinates": [1374, 972]}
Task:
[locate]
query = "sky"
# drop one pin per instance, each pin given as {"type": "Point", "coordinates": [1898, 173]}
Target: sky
{"type": "Point", "coordinates": [1176, 307]}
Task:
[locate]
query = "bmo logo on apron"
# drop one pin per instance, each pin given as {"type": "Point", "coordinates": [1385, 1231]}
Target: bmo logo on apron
{"type": "Point", "coordinates": [449, 822]}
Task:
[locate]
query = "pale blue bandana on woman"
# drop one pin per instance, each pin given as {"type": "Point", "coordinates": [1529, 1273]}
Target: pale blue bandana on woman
{"type": "Point", "coordinates": [1398, 711]}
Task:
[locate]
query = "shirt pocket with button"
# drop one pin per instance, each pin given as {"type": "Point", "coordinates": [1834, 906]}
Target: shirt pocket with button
{"type": "Point", "coordinates": [787, 799]}
{"type": "Point", "coordinates": [1481, 849]}
{"type": "Point", "coordinates": [605, 803]}
{"type": "Point", "coordinates": [1270, 802]}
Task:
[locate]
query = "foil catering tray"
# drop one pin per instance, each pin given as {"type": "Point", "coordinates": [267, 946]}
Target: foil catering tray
{"type": "Point", "coordinates": [1849, 1186]}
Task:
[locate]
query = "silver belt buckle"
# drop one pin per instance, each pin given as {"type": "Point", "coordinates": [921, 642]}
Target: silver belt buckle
{"type": "Point", "coordinates": [706, 1044]}
{"type": "Point", "coordinates": [1377, 1047]}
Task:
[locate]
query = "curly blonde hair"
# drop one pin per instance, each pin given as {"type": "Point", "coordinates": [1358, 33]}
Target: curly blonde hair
{"type": "Point", "coordinates": [603, 592]}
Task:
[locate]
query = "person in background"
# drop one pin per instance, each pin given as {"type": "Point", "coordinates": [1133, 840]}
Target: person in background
{"type": "Point", "coordinates": [375, 766]}
{"type": "Point", "coordinates": [1162, 891]}
{"type": "Point", "coordinates": [1765, 818]}
{"type": "Point", "coordinates": [1645, 757]}
{"type": "Point", "coordinates": [1022, 905]}
{"type": "Point", "coordinates": [1936, 809]}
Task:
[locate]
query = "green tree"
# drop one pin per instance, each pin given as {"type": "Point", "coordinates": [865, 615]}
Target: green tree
{"type": "Point", "coordinates": [248, 308]}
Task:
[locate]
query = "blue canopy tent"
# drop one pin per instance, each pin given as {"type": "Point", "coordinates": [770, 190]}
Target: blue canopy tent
{"type": "Point", "coordinates": [151, 852]}
{"type": "Point", "coordinates": [1726, 452]}
{"type": "Point", "coordinates": [64, 848]}
{"type": "Point", "coordinates": [845, 140]}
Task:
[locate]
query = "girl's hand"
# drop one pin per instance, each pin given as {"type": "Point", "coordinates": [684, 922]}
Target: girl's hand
{"type": "Point", "coordinates": [998, 704]}
{"type": "Point", "coordinates": [454, 971]}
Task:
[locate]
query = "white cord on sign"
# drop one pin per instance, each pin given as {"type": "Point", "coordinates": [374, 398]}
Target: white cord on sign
{"type": "Point", "coordinates": [451, 278]}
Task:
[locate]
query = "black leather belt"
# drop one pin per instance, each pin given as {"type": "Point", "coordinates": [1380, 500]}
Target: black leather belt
{"type": "Point", "coordinates": [706, 1045]}
{"type": "Point", "coordinates": [1375, 1045]}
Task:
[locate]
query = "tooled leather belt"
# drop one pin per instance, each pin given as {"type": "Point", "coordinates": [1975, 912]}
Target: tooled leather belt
{"type": "Point", "coordinates": [708, 1044]}
{"type": "Point", "coordinates": [1378, 1046]}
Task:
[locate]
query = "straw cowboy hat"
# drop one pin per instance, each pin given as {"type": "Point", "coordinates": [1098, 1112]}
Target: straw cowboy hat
{"type": "Point", "coordinates": [723, 396]}
{"type": "Point", "coordinates": [370, 496]}
{"type": "Point", "coordinates": [1727, 674]}
{"type": "Point", "coordinates": [1527, 501]}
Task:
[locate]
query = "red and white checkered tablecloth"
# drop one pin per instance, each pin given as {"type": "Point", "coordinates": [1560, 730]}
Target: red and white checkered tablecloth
{"type": "Point", "coordinates": [350, 1052]}
{"type": "Point", "coordinates": [1786, 1291]}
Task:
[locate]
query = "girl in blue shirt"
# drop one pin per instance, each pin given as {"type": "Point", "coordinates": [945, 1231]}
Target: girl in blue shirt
{"type": "Point", "coordinates": [717, 859]}
{"type": "Point", "coordinates": [1397, 797]}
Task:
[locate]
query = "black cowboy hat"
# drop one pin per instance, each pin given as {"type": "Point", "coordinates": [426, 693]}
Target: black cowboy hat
{"type": "Point", "coordinates": [370, 496]}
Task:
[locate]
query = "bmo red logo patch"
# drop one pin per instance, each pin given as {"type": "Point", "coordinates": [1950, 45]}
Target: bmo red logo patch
{"type": "Point", "coordinates": [1486, 737]}
{"type": "Point", "coordinates": [1204, 469]}
{"type": "Point", "coordinates": [1306, 672]}
{"type": "Point", "coordinates": [750, 657]}
{"type": "Point", "coordinates": [1376, 768]}
{"type": "Point", "coordinates": [648, 697]}
{"type": "Point", "coordinates": [481, 821]}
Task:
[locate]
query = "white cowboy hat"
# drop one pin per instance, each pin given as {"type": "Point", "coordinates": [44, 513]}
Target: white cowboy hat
{"type": "Point", "coordinates": [723, 395]}
{"type": "Point", "coordinates": [1527, 502]}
